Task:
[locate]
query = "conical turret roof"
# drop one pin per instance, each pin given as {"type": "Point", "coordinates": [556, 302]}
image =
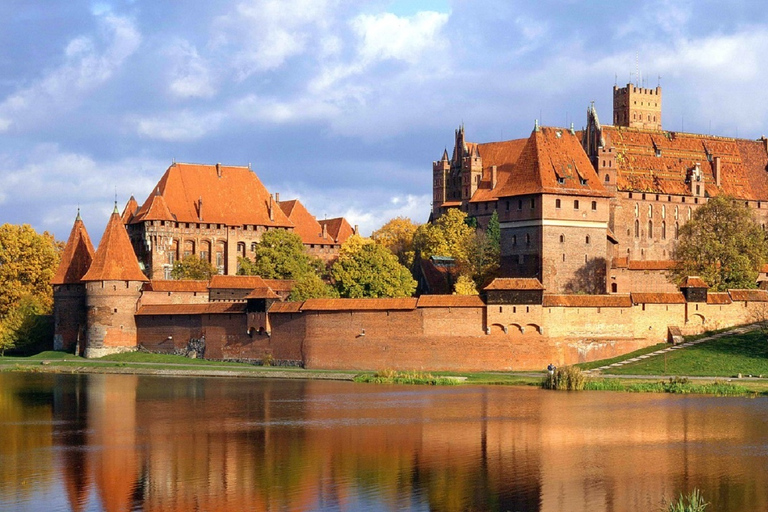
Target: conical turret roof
{"type": "Point", "coordinates": [114, 259]}
{"type": "Point", "coordinates": [77, 255]}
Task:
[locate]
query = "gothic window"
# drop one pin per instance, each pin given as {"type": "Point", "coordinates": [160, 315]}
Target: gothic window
{"type": "Point", "coordinates": [663, 211]}
{"type": "Point", "coordinates": [650, 229]}
{"type": "Point", "coordinates": [637, 210]}
{"type": "Point", "coordinates": [253, 246]}
{"type": "Point", "coordinates": [650, 210]}
{"type": "Point", "coordinates": [677, 229]}
{"type": "Point", "coordinates": [562, 239]}
{"type": "Point", "coordinates": [587, 240]}
{"type": "Point", "coordinates": [614, 288]}
{"type": "Point", "coordinates": [676, 213]}
{"type": "Point", "coordinates": [663, 230]}
{"type": "Point", "coordinates": [690, 212]}
{"type": "Point", "coordinates": [637, 228]}
{"type": "Point", "coordinates": [557, 203]}
{"type": "Point", "coordinates": [607, 178]}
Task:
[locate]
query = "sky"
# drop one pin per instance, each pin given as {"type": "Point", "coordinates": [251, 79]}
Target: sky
{"type": "Point", "coordinates": [341, 104]}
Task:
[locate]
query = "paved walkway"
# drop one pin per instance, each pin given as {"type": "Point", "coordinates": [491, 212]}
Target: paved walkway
{"type": "Point", "coordinates": [738, 330]}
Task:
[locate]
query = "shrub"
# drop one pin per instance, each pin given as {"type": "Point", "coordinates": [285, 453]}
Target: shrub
{"type": "Point", "coordinates": [568, 378]}
{"type": "Point", "coordinates": [693, 502]}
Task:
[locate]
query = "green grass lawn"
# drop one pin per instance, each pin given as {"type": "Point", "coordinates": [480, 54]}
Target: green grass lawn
{"type": "Point", "coordinates": [746, 354]}
{"type": "Point", "coordinates": [636, 353]}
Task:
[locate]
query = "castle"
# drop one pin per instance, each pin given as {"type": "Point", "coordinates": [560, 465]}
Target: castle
{"type": "Point", "coordinates": [596, 211]}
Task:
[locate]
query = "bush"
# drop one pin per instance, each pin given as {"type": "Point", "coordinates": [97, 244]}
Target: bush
{"type": "Point", "coordinates": [395, 377]}
{"type": "Point", "coordinates": [568, 378]}
{"type": "Point", "coordinates": [693, 502]}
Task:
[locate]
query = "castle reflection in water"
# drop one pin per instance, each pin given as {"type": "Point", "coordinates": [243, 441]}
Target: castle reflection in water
{"type": "Point", "coordinates": [122, 442]}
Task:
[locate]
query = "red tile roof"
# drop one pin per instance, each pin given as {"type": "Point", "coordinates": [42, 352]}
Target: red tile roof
{"type": "Point", "coordinates": [553, 161]}
{"type": "Point", "coordinates": [155, 208]}
{"type": "Point", "coordinates": [114, 259]}
{"type": "Point", "coordinates": [516, 283]}
{"type": "Point", "coordinates": [693, 282]}
{"type": "Point", "coordinates": [77, 256]}
{"type": "Point", "coordinates": [280, 285]}
{"type": "Point", "coordinates": [285, 307]}
{"type": "Point", "coordinates": [338, 229]}
{"type": "Point", "coordinates": [450, 301]}
{"type": "Point", "coordinates": [587, 301]}
{"type": "Point", "coordinates": [651, 264]}
{"type": "Point", "coordinates": [718, 298]}
{"type": "Point", "coordinates": [749, 295]}
{"type": "Point", "coordinates": [230, 195]}
{"type": "Point", "coordinates": [622, 262]}
{"type": "Point", "coordinates": [743, 162]}
{"type": "Point", "coordinates": [130, 210]}
{"type": "Point", "coordinates": [503, 155]}
{"type": "Point", "coordinates": [304, 223]}
{"type": "Point", "coordinates": [208, 308]}
{"type": "Point", "coordinates": [262, 293]}
{"type": "Point", "coordinates": [237, 282]}
{"type": "Point", "coordinates": [182, 285]}
{"type": "Point", "coordinates": [658, 298]}
{"type": "Point", "coordinates": [359, 304]}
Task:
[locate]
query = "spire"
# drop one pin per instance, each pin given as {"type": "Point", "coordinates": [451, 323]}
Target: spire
{"type": "Point", "coordinates": [445, 155]}
{"type": "Point", "coordinates": [114, 259]}
{"type": "Point", "coordinates": [77, 255]}
{"type": "Point", "coordinates": [536, 126]}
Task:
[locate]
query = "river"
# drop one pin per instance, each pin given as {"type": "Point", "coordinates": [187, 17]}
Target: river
{"type": "Point", "coordinates": [123, 442]}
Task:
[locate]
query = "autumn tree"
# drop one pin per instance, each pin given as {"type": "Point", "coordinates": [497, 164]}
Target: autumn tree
{"type": "Point", "coordinates": [397, 236]}
{"type": "Point", "coordinates": [367, 269]}
{"type": "Point", "coordinates": [192, 267]}
{"type": "Point", "coordinates": [280, 255]}
{"type": "Point", "coordinates": [722, 244]}
{"type": "Point", "coordinates": [448, 236]}
{"type": "Point", "coordinates": [311, 286]}
{"type": "Point", "coordinates": [28, 261]}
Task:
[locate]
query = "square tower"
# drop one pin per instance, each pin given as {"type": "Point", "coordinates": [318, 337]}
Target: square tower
{"type": "Point", "coordinates": [637, 107]}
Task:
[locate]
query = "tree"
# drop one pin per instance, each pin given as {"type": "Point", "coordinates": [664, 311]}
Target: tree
{"type": "Point", "coordinates": [465, 286]}
{"type": "Point", "coordinates": [280, 255]}
{"type": "Point", "coordinates": [28, 262]}
{"type": "Point", "coordinates": [26, 326]}
{"type": "Point", "coordinates": [722, 245]}
{"type": "Point", "coordinates": [311, 286]}
{"type": "Point", "coordinates": [192, 267]}
{"type": "Point", "coordinates": [448, 236]}
{"type": "Point", "coordinates": [397, 236]}
{"type": "Point", "coordinates": [370, 270]}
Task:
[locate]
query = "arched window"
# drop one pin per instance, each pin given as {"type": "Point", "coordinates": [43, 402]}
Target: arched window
{"type": "Point", "coordinates": [650, 229]}
{"type": "Point", "coordinates": [677, 230]}
{"type": "Point", "coordinates": [637, 228]}
{"type": "Point", "coordinates": [557, 203]}
{"type": "Point", "coordinates": [637, 210]}
{"type": "Point", "coordinates": [614, 288]}
{"type": "Point", "coordinates": [663, 230]}
{"type": "Point", "coordinates": [676, 213]}
{"type": "Point", "coordinates": [650, 210]}
{"type": "Point", "coordinates": [663, 211]}
{"type": "Point", "coordinates": [587, 240]}
{"type": "Point", "coordinates": [690, 213]}
{"type": "Point", "coordinates": [607, 178]}
{"type": "Point", "coordinates": [575, 204]}
{"type": "Point", "coordinates": [562, 239]}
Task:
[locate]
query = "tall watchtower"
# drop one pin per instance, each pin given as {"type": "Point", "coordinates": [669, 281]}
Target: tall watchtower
{"type": "Point", "coordinates": [637, 107]}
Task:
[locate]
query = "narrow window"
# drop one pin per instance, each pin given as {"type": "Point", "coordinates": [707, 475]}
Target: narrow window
{"type": "Point", "coordinates": [650, 229]}
{"type": "Point", "coordinates": [594, 206]}
{"type": "Point", "coordinates": [557, 203]}
{"type": "Point", "coordinates": [607, 178]}
{"type": "Point", "coordinates": [587, 240]}
{"type": "Point", "coordinates": [575, 204]}
{"type": "Point", "coordinates": [562, 239]}
{"type": "Point", "coordinates": [637, 228]}
{"type": "Point", "coordinates": [663, 230]}
{"type": "Point", "coordinates": [520, 204]}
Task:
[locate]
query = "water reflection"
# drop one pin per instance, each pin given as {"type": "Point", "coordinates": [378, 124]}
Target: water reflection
{"type": "Point", "coordinates": [115, 442]}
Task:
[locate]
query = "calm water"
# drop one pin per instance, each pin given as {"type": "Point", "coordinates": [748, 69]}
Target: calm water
{"type": "Point", "coordinates": [116, 442]}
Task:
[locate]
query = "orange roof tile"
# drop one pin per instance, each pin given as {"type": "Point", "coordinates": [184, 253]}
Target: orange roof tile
{"type": "Point", "coordinates": [359, 304]}
{"type": "Point", "coordinates": [503, 155]}
{"type": "Point", "coordinates": [658, 161]}
{"type": "Point", "coordinates": [262, 293]}
{"type": "Point", "coordinates": [338, 228]}
{"type": "Point", "coordinates": [77, 255]}
{"type": "Point", "coordinates": [553, 161]}
{"type": "Point", "coordinates": [280, 285]}
{"type": "Point", "coordinates": [155, 208]}
{"type": "Point", "coordinates": [182, 285]}
{"type": "Point", "coordinates": [285, 307]}
{"type": "Point", "coordinates": [130, 210]}
{"type": "Point", "coordinates": [718, 298]}
{"type": "Point", "coordinates": [514, 283]}
{"type": "Point", "coordinates": [114, 259]}
{"type": "Point", "coordinates": [658, 298]}
{"type": "Point", "coordinates": [693, 282]}
{"type": "Point", "coordinates": [230, 195]}
{"type": "Point", "coordinates": [304, 223]}
{"type": "Point", "coordinates": [450, 301]}
{"type": "Point", "coordinates": [208, 308]}
{"type": "Point", "coordinates": [587, 301]}
{"type": "Point", "coordinates": [651, 264]}
{"type": "Point", "coordinates": [237, 282]}
{"type": "Point", "coordinates": [622, 262]}
{"type": "Point", "coordinates": [749, 295]}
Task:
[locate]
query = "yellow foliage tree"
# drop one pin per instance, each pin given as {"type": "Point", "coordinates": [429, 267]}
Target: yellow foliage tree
{"type": "Point", "coordinates": [448, 236]}
{"type": "Point", "coordinates": [397, 236]}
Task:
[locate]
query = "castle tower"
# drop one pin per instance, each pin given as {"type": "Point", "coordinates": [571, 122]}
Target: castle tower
{"type": "Point", "coordinates": [69, 290]}
{"type": "Point", "coordinates": [637, 107]}
{"type": "Point", "coordinates": [471, 173]}
{"type": "Point", "coordinates": [112, 287]}
{"type": "Point", "coordinates": [440, 172]}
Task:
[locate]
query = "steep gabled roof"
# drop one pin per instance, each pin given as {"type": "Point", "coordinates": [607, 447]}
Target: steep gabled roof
{"type": "Point", "coordinates": [304, 223]}
{"type": "Point", "coordinates": [338, 229]}
{"type": "Point", "coordinates": [504, 156]}
{"type": "Point", "coordinates": [229, 195]}
{"type": "Point", "coordinates": [553, 162]}
{"type": "Point", "coordinates": [131, 207]}
{"type": "Point", "coordinates": [77, 255]}
{"type": "Point", "coordinates": [114, 259]}
{"type": "Point", "coordinates": [693, 282]}
{"type": "Point", "coordinates": [156, 209]}
{"type": "Point", "coordinates": [658, 161]}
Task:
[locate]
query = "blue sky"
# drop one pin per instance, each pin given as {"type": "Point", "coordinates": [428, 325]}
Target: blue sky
{"type": "Point", "coordinates": [342, 104]}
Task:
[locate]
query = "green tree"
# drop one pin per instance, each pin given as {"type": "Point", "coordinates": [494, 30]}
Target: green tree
{"type": "Point", "coordinates": [397, 236]}
{"type": "Point", "coordinates": [722, 244]}
{"type": "Point", "coordinates": [280, 255]}
{"type": "Point", "coordinates": [192, 267]}
{"type": "Point", "coordinates": [311, 286]}
{"type": "Point", "coordinates": [448, 236]}
{"type": "Point", "coordinates": [370, 270]}
{"type": "Point", "coordinates": [28, 262]}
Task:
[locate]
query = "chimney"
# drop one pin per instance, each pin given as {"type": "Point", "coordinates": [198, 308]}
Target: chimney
{"type": "Point", "coordinates": [493, 177]}
{"type": "Point", "coordinates": [356, 231]}
{"type": "Point", "coordinates": [718, 171]}
{"type": "Point", "coordinates": [200, 208]}
{"type": "Point", "coordinates": [271, 209]}
{"type": "Point", "coordinates": [218, 170]}
{"type": "Point", "coordinates": [325, 230]}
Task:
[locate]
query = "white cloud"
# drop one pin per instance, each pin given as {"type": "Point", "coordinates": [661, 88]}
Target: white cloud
{"type": "Point", "coordinates": [84, 69]}
{"type": "Point", "coordinates": [387, 36]}
{"type": "Point", "coordinates": [190, 76]}
{"type": "Point", "coordinates": [179, 126]}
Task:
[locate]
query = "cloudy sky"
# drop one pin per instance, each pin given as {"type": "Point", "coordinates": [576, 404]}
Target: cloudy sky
{"type": "Point", "coordinates": [342, 104]}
